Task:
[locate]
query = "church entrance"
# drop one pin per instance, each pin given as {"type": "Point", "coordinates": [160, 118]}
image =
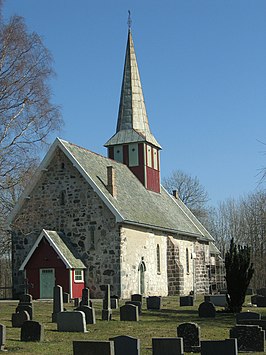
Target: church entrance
{"type": "Point", "coordinates": [47, 282]}
{"type": "Point", "coordinates": [142, 269]}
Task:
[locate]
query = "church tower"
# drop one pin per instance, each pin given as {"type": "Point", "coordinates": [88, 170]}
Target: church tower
{"type": "Point", "coordinates": [133, 143]}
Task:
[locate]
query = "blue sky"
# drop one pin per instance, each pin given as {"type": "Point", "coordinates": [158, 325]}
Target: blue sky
{"type": "Point", "coordinates": [203, 70]}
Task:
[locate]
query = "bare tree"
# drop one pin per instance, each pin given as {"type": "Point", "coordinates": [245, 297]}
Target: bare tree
{"type": "Point", "coordinates": [27, 115]}
{"type": "Point", "coordinates": [190, 191]}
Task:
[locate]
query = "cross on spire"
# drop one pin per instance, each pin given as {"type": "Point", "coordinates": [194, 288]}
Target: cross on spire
{"type": "Point", "coordinates": [129, 21]}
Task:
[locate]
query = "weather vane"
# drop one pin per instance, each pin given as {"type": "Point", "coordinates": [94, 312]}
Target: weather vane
{"type": "Point", "coordinates": [129, 21]}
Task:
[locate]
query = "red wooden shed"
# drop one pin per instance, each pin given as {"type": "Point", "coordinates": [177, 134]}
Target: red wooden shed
{"type": "Point", "coordinates": [51, 262]}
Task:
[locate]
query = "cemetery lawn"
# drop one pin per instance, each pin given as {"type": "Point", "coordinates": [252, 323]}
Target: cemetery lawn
{"type": "Point", "coordinates": [161, 323]}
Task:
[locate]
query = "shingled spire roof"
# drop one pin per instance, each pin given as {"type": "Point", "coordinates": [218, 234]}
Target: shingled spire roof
{"type": "Point", "coordinates": [132, 123]}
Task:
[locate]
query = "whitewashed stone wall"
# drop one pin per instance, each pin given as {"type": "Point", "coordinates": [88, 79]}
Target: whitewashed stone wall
{"type": "Point", "coordinates": [139, 245]}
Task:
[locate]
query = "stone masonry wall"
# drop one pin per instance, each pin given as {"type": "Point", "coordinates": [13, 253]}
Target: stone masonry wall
{"type": "Point", "coordinates": [201, 270]}
{"type": "Point", "coordinates": [175, 270]}
{"type": "Point", "coordinates": [63, 201]}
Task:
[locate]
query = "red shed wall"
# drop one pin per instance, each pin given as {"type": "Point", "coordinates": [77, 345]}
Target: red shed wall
{"type": "Point", "coordinates": [76, 286]}
{"type": "Point", "coordinates": [43, 257]}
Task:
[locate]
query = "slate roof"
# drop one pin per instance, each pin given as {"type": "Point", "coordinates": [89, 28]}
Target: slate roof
{"type": "Point", "coordinates": [134, 203]}
{"type": "Point", "coordinates": [60, 248]}
{"type": "Point", "coordinates": [132, 123]}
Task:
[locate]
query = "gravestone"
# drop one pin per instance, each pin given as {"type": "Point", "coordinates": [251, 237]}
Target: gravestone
{"type": "Point", "coordinates": [186, 301]}
{"type": "Point", "coordinates": [19, 318]}
{"type": "Point", "coordinates": [167, 346]}
{"type": "Point", "coordinates": [85, 299]}
{"type": "Point", "coordinates": [261, 301]}
{"type": "Point", "coordinates": [219, 347]}
{"type": "Point", "coordinates": [66, 297]}
{"type": "Point", "coordinates": [32, 331]}
{"type": "Point", "coordinates": [249, 337]}
{"type": "Point", "coordinates": [107, 311]}
{"type": "Point", "coordinates": [154, 302]}
{"type": "Point", "coordinates": [217, 300]}
{"type": "Point", "coordinates": [260, 322]}
{"type": "Point", "coordinates": [135, 303]}
{"type": "Point", "coordinates": [253, 299]}
{"type": "Point", "coordinates": [206, 310]}
{"type": "Point", "coordinates": [71, 322]}
{"type": "Point", "coordinates": [89, 314]}
{"type": "Point", "coordinates": [247, 315]}
{"type": "Point", "coordinates": [249, 292]}
{"type": "Point", "coordinates": [129, 312]}
{"type": "Point", "coordinates": [137, 297]}
{"type": "Point", "coordinates": [2, 337]}
{"type": "Point", "coordinates": [76, 301]}
{"type": "Point", "coordinates": [93, 347]}
{"type": "Point", "coordinates": [125, 344]}
{"type": "Point", "coordinates": [26, 298]}
{"type": "Point", "coordinates": [57, 302]}
{"type": "Point", "coordinates": [114, 303]}
{"type": "Point", "coordinates": [261, 291]}
{"type": "Point", "coordinates": [190, 332]}
{"type": "Point", "coordinates": [25, 307]}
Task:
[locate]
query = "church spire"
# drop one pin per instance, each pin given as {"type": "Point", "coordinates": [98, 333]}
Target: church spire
{"type": "Point", "coordinates": [133, 143]}
{"type": "Point", "coordinates": [132, 123]}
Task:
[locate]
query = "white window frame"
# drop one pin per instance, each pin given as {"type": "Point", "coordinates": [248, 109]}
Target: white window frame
{"type": "Point", "coordinates": [78, 277]}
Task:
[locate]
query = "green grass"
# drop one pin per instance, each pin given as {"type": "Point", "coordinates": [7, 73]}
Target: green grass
{"type": "Point", "coordinates": [161, 323]}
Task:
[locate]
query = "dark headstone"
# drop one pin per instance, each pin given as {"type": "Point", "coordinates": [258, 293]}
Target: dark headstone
{"type": "Point", "coordinates": [219, 347]}
{"type": "Point", "coordinates": [114, 303]}
{"type": "Point", "coordinates": [253, 299]}
{"type": "Point", "coordinates": [93, 347]}
{"type": "Point", "coordinates": [249, 337]}
{"type": "Point", "coordinates": [126, 345]}
{"type": "Point", "coordinates": [66, 297]}
{"type": "Point", "coordinates": [137, 297]}
{"type": "Point", "coordinates": [154, 302]}
{"type": "Point", "coordinates": [249, 292]}
{"type": "Point", "coordinates": [261, 291]}
{"type": "Point", "coordinates": [260, 322]}
{"type": "Point", "coordinates": [25, 298]}
{"type": "Point", "coordinates": [76, 301]}
{"type": "Point", "coordinates": [247, 315]}
{"type": "Point", "coordinates": [186, 301]}
{"type": "Point", "coordinates": [129, 312]}
{"type": "Point", "coordinates": [261, 301]}
{"type": "Point", "coordinates": [19, 318]}
{"type": "Point", "coordinates": [190, 332]}
{"type": "Point", "coordinates": [107, 314]}
{"type": "Point", "coordinates": [57, 302]}
{"type": "Point", "coordinates": [25, 307]}
{"type": "Point", "coordinates": [135, 303]}
{"type": "Point", "coordinates": [2, 337]}
{"type": "Point", "coordinates": [89, 314]}
{"type": "Point", "coordinates": [107, 311]}
{"type": "Point", "coordinates": [85, 299]}
{"type": "Point", "coordinates": [207, 310]}
{"type": "Point", "coordinates": [32, 331]}
{"type": "Point", "coordinates": [169, 346]}
{"type": "Point", "coordinates": [217, 300]}
{"type": "Point", "coordinates": [71, 322]}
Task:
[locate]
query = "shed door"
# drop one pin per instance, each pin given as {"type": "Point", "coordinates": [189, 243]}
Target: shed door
{"type": "Point", "coordinates": [47, 282]}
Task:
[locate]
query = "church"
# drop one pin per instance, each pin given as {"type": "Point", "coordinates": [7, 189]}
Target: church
{"type": "Point", "coordinates": [89, 220]}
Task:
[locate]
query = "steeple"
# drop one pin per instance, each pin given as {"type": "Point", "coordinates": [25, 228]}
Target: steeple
{"type": "Point", "coordinates": [132, 123]}
{"type": "Point", "coordinates": [133, 143]}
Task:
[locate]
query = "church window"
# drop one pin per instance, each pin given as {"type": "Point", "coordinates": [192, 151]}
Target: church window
{"type": "Point", "coordinates": [133, 154]}
{"type": "Point", "coordinates": [63, 198]}
{"type": "Point", "coordinates": [187, 260]}
{"type": "Point", "coordinates": [62, 166]}
{"type": "Point", "coordinates": [78, 275]}
{"type": "Point", "coordinates": [118, 153]}
{"type": "Point", "coordinates": [158, 258]}
{"type": "Point", "coordinates": [149, 158]}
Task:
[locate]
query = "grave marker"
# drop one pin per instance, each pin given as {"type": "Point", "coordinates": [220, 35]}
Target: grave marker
{"type": "Point", "coordinates": [219, 347]}
{"type": "Point", "coordinates": [57, 302]}
{"type": "Point", "coordinates": [71, 322]}
{"type": "Point", "coordinates": [2, 337]}
{"type": "Point", "coordinates": [190, 332]}
{"type": "Point", "coordinates": [154, 302]}
{"type": "Point", "coordinates": [107, 311]}
{"type": "Point", "coordinates": [260, 322]}
{"type": "Point", "coordinates": [27, 308]}
{"type": "Point", "coordinates": [249, 337]}
{"type": "Point", "coordinates": [135, 303]}
{"type": "Point", "coordinates": [93, 347]}
{"type": "Point", "coordinates": [169, 346]}
{"type": "Point", "coordinates": [89, 314]}
{"type": "Point", "coordinates": [186, 301]}
{"type": "Point", "coordinates": [206, 310]}
{"type": "Point", "coordinates": [129, 312]}
{"type": "Point", "coordinates": [247, 315]}
{"type": "Point", "coordinates": [19, 318]}
{"type": "Point", "coordinates": [137, 297]}
{"type": "Point", "coordinates": [125, 344]}
{"type": "Point", "coordinates": [32, 331]}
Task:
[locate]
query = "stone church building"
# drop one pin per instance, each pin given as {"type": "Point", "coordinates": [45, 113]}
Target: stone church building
{"type": "Point", "coordinates": [92, 220]}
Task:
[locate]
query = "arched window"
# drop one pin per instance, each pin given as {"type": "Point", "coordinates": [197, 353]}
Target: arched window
{"type": "Point", "coordinates": [63, 198]}
{"type": "Point", "coordinates": [187, 260]}
{"type": "Point", "coordinates": [158, 258]}
{"type": "Point", "coordinates": [142, 269]}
